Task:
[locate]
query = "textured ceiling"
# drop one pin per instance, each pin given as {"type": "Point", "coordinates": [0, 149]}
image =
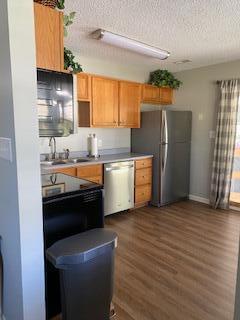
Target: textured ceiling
{"type": "Point", "coordinates": [203, 31]}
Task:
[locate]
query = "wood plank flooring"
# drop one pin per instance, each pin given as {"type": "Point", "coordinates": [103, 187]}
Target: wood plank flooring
{"type": "Point", "coordinates": [175, 263]}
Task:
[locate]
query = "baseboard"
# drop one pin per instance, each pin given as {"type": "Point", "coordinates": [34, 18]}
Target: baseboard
{"type": "Point", "coordinates": [199, 199]}
{"type": "Point", "coordinates": [235, 208]}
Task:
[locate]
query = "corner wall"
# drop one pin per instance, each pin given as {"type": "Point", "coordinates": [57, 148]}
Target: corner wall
{"type": "Point", "coordinates": [21, 227]}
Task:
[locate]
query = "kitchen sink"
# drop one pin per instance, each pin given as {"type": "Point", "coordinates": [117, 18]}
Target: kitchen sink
{"type": "Point", "coordinates": [78, 160]}
{"type": "Point", "coordinates": [64, 161]}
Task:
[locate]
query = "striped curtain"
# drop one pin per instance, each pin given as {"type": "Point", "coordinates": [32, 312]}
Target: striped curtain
{"type": "Point", "coordinates": [224, 144]}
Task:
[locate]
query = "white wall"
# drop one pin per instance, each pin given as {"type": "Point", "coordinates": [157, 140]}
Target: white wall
{"type": "Point", "coordinates": [111, 138]}
{"type": "Point", "coordinates": [20, 189]}
{"type": "Point", "coordinates": [199, 94]}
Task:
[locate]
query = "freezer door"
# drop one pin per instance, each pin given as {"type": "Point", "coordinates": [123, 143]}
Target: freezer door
{"type": "Point", "coordinates": [176, 126]}
{"type": "Point", "coordinates": [174, 172]}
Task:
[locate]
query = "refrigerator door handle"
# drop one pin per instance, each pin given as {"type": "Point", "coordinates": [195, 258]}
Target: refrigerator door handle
{"type": "Point", "coordinates": [164, 156]}
{"type": "Point", "coordinates": [164, 128]}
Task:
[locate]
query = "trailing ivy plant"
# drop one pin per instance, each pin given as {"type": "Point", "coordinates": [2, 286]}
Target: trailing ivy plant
{"type": "Point", "coordinates": [67, 21]}
{"type": "Point", "coordinates": [69, 58]}
{"type": "Point", "coordinates": [164, 78]}
{"type": "Point", "coordinates": [69, 62]}
{"type": "Point", "coordinates": [61, 4]}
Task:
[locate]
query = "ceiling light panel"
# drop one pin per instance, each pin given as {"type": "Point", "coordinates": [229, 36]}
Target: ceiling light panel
{"type": "Point", "coordinates": [130, 44]}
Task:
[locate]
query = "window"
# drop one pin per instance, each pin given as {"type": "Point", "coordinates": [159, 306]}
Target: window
{"type": "Point", "coordinates": [235, 186]}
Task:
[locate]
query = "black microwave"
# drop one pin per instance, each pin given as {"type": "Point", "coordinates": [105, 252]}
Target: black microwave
{"type": "Point", "coordinates": [55, 103]}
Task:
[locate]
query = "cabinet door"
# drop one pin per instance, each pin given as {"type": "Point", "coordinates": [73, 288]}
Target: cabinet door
{"type": "Point", "coordinates": [49, 38]}
{"type": "Point", "coordinates": [71, 171]}
{"type": "Point", "coordinates": [143, 193]}
{"type": "Point", "coordinates": [83, 87]}
{"type": "Point", "coordinates": [89, 171]}
{"type": "Point", "coordinates": [150, 93]}
{"type": "Point", "coordinates": [104, 102]}
{"type": "Point", "coordinates": [166, 95]}
{"type": "Point", "coordinates": [129, 104]}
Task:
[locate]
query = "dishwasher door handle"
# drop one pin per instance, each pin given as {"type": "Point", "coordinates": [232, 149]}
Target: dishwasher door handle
{"type": "Point", "coordinates": [119, 168]}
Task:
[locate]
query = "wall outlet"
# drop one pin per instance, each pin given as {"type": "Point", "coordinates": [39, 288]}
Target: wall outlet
{"type": "Point", "coordinates": [200, 116]}
{"type": "Point", "coordinates": [6, 149]}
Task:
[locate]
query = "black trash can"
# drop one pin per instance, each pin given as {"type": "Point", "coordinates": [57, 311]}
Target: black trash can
{"type": "Point", "coordinates": [86, 265]}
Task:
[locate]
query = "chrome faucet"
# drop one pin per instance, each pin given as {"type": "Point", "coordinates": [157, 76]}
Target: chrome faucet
{"type": "Point", "coordinates": [66, 153]}
{"type": "Point", "coordinates": [53, 147]}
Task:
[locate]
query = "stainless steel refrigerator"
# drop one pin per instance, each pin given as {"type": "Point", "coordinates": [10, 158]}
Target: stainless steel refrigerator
{"type": "Point", "coordinates": [166, 135]}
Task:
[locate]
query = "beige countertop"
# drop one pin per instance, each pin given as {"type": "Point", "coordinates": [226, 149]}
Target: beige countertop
{"type": "Point", "coordinates": [46, 168]}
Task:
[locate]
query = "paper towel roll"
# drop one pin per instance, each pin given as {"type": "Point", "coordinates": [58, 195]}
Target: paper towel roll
{"type": "Point", "coordinates": [89, 144]}
{"type": "Point", "coordinates": [94, 146]}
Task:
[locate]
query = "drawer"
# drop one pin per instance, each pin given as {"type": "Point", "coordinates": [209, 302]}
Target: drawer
{"type": "Point", "coordinates": [143, 176]}
{"type": "Point", "coordinates": [89, 171]}
{"type": "Point", "coordinates": [70, 171]}
{"type": "Point", "coordinates": [143, 163]}
{"type": "Point", "coordinates": [95, 179]}
{"type": "Point", "coordinates": [143, 193]}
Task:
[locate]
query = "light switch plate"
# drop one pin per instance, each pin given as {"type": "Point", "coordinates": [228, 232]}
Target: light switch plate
{"type": "Point", "coordinates": [6, 149]}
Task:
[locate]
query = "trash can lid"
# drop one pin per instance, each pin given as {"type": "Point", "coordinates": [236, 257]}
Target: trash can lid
{"type": "Point", "coordinates": [81, 247]}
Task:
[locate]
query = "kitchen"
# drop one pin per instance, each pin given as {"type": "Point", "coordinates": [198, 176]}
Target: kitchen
{"type": "Point", "coordinates": [115, 79]}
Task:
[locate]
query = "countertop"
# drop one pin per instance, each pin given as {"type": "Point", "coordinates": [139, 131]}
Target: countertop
{"type": "Point", "coordinates": [45, 168]}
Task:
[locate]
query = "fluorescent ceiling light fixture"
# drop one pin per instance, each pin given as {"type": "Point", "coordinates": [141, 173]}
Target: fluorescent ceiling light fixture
{"type": "Point", "coordinates": [182, 61]}
{"type": "Point", "coordinates": [129, 44]}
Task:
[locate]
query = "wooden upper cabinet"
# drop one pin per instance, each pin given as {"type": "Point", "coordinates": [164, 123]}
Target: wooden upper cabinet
{"type": "Point", "coordinates": [150, 93]}
{"type": "Point", "coordinates": [166, 95]}
{"type": "Point", "coordinates": [129, 104]}
{"type": "Point", "coordinates": [156, 95]}
{"type": "Point", "coordinates": [49, 38]}
{"type": "Point", "coordinates": [83, 87]}
{"type": "Point", "coordinates": [104, 102]}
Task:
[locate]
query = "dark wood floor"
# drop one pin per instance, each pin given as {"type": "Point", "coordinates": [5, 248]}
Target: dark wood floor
{"type": "Point", "coordinates": [178, 262]}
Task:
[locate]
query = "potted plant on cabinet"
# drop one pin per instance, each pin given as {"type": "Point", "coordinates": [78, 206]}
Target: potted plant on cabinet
{"type": "Point", "coordinates": [164, 78]}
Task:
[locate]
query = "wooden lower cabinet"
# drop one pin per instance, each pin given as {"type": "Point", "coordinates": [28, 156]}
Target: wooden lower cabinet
{"type": "Point", "coordinates": [71, 171]}
{"type": "Point", "coordinates": [143, 163]}
{"type": "Point", "coordinates": [143, 177]}
{"type": "Point", "coordinates": [92, 173]}
{"type": "Point", "coordinates": [143, 193]}
{"type": "Point", "coordinates": [143, 181]}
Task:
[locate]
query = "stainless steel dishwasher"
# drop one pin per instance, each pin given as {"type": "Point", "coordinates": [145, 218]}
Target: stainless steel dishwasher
{"type": "Point", "coordinates": [118, 186]}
